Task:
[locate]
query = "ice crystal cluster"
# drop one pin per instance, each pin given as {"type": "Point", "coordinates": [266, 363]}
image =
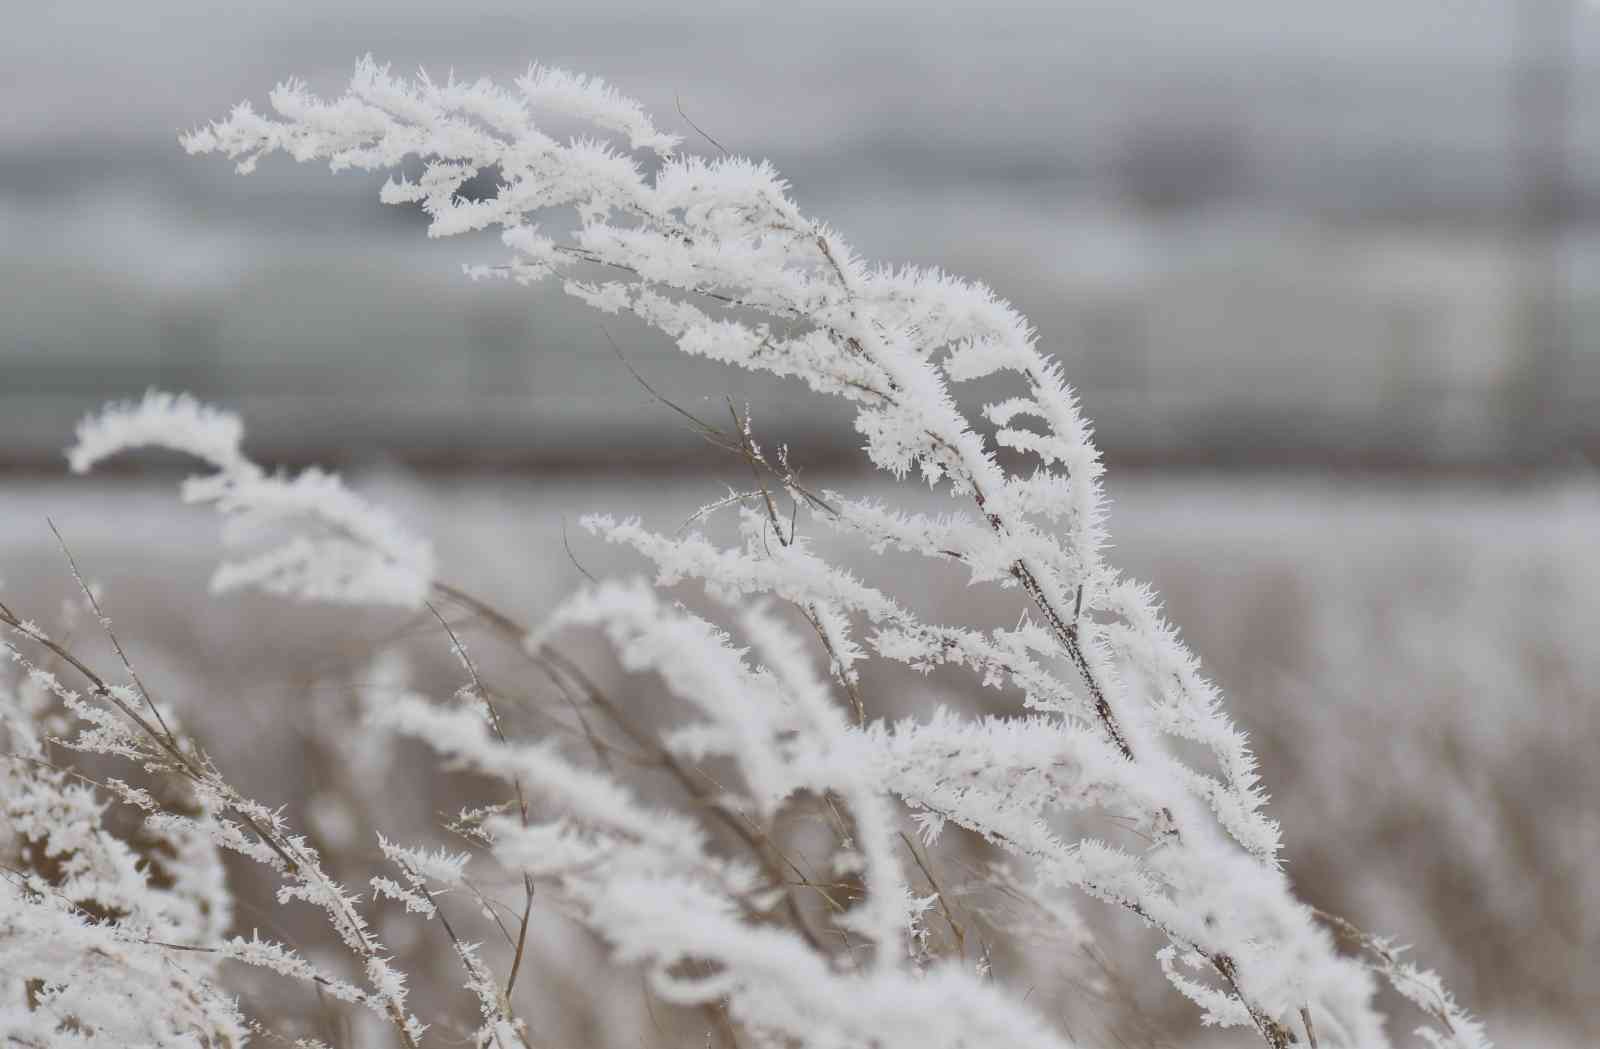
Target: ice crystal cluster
{"type": "Point", "coordinates": [118, 940]}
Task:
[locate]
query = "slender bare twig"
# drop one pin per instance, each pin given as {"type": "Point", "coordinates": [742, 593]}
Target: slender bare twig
{"type": "Point", "coordinates": [944, 904]}
{"type": "Point", "coordinates": [677, 101]}
{"type": "Point", "coordinates": [1311, 1031]}
{"type": "Point", "coordinates": [105, 623]}
{"type": "Point", "coordinates": [558, 667]}
{"type": "Point", "coordinates": [522, 800]}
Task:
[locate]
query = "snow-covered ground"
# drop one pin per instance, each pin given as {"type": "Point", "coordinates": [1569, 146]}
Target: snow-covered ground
{"type": "Point", "coordinates": [1415, 661]}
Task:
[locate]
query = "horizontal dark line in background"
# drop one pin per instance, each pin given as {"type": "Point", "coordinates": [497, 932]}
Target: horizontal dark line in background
{"type": "Point", "coordinates": [1439, 435]}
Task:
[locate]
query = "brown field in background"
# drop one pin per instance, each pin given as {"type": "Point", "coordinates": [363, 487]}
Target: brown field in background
{"type": "Point", "coordinates": [1415, 663]}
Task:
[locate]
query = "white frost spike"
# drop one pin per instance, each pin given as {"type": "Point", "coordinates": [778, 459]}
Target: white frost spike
{"type": "Point", "coordinates": [593, 100]}
{"type": "Point", "coordinates": [337, 547]}
{"type": "Point", "coordinates": [174, 421]}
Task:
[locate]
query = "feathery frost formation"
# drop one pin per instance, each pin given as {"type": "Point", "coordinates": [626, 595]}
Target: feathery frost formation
{"type": "Point", "coordinates": [113, 943]}
{"type": "Point", "coordinates": [65, 879]}
{"type": "Point", "coordinates": [339, 547]}
{"type": "Point", "coordinates": [1119, 722]}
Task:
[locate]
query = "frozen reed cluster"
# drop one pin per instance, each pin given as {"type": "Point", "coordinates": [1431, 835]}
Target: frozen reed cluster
{"type": "Point", "coordinates": [120, 938]}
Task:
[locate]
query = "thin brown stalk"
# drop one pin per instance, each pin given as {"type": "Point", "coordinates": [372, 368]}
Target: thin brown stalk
{"type": "Point", "coordinates": [1311, 1031]}
{"type": "Point", "coordinates": [560, 670]}
{"type": "Point", "coordinates": [105, 624]}
{"type": "Point", "coordinates": [944, 905]}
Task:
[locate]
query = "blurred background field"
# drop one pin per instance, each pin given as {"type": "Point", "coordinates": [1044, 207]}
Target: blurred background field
{"type": "Point", "coordinates": [1327, 278]}
{"type": "Point", "coordinates": [1415, 664]}
{"type": "Point", "coordinates": [1359, 233]}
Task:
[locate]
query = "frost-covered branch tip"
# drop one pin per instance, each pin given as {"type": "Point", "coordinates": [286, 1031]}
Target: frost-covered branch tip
{"type": "Point", "coordinates": [331, 545]}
